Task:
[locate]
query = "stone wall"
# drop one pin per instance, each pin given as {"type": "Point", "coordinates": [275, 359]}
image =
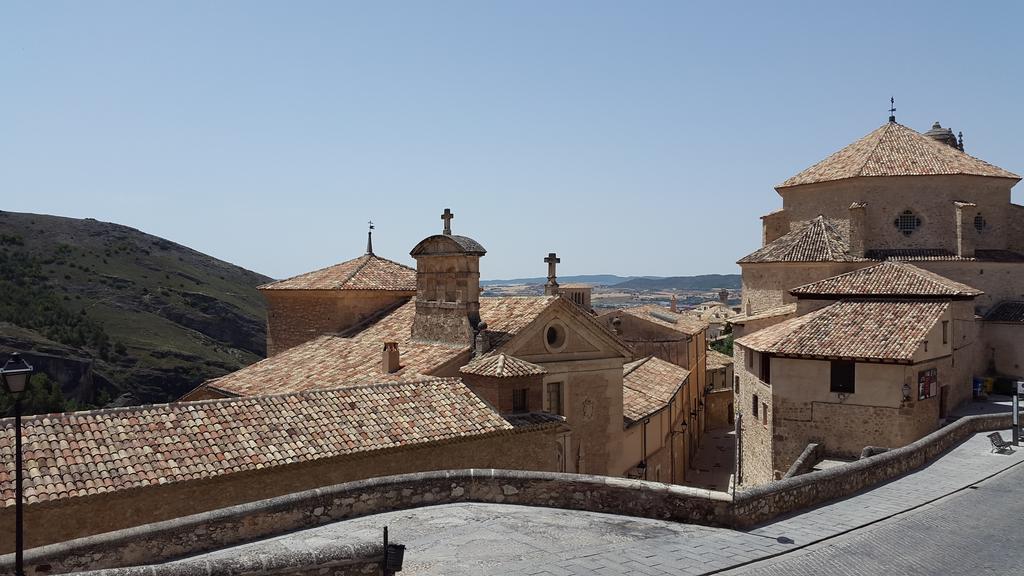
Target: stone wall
{"type": "Point", "coordinates": [297, 316]}
{"type": "Point", "coordinates": [761, 504]}
{"type": "Point", "coordinates": [930, 198]}
{"type": "Point", "coordinates": [65, 519]}
{"type": "Point", "coordinates": [756, 464]}
{"type": "Point", "coordinates": [766, 285]}
{"type": "Point", "coordinates": [248, 522]}
{"type": "Point", "coordinates": [717, 406]}
{"type": "Point", "coordinates": [1004, 348]}
{"type": "Point", "coordinates": [185, 536]}
{"type": "Point", "coordinates": [999, 280]}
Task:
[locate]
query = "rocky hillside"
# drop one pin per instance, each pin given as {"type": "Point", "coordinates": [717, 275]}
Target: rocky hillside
{"type": "Point", "coordinates": [111, 314]}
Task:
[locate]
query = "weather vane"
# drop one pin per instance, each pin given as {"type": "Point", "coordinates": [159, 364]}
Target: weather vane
{"type": "Point", "coordinates": [369, 238]}
{"type": "Point", "coordinates": [892, 109]}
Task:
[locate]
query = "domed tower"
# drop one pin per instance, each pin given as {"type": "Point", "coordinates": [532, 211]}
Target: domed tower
{"type": "Point", "coordinates": [447, 287]}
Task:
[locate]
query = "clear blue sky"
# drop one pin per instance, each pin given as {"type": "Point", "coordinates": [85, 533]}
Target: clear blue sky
{"type": "Point", "coordinates": [629, 137]}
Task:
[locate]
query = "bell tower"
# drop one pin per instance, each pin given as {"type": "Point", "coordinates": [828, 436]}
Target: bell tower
{"type": "Point", "coordinates": [447, 287]}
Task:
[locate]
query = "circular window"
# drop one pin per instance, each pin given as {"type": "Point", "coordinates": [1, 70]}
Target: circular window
{"type": "Point", "coordinates": [554, 336]}
{"type": "Point", "coordinates": [979, 223]}
{"type": "Point", "coordinates": [907, 222]}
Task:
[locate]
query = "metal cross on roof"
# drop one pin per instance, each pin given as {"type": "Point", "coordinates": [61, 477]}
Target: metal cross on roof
{"type": "Point", "coordinates": [892, 109]}
{"type": "Point", "coordinates": [447, 217]}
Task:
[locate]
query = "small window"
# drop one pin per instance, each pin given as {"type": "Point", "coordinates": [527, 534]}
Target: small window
{"type": "Point", "coordinates": [764, 413]}
{"type": "Point", "coordinates": [766, 368]}
{"type": "Point", "coordinates": [750, 358]}
{"type": "Point", "coordinates": [755, 406]}
{"type": "Point", "coordinates": [945, 331]}
{"type": "Point", "coordinates": [554, 397]}
{"type": "Point", "coordinates": [907, 222]}
{"type": "Point", "coordinates": [519, 400]}
{"type": "Point", "coordinates": [736, 384]}
{"type": "Point", "coordinates": [554, 336]}
{"type": "Point", "coordinates": [843, 372]}
{"type": "Point", "coordinates": [979, 223]}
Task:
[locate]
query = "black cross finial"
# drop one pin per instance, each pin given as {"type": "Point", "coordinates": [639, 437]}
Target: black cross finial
{"type": "Point", "coordinates": [447, 217]}
{"type": "Point", "coordinates": [369, 238]}
{"type": "Point", "coordinates": [892, 109]}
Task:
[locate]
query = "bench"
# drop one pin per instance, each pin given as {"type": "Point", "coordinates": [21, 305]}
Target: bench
{"type": "Point", "coordinates": [998, 444]}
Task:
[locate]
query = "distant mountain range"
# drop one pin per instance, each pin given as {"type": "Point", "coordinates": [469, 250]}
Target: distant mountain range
{"type": "Point", "coordinates": [595, 279]}
{"type": "Point", "coordinates": [701, 282]}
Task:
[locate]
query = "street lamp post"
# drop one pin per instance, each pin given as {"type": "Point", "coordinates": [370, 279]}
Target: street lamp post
{"type": "Point", "coordinates": [15, 375]}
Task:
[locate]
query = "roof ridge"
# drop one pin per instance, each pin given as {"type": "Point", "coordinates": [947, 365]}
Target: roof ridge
{"type": "Point", "coordinates": [424, 379]}
{"type": "Point", "coordinates": [874, 149]}
{"type": "Point", "coordinates": [365, 260]}
{"type": "Point", "coordinates": [636, 364]}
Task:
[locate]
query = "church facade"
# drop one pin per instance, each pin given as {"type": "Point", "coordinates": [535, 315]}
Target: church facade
{"type": "Point", "coordinates": [890, 278]}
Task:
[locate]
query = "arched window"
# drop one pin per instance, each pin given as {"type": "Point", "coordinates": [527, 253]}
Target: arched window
{"type": "Point", "coordinates": [979, 223]}
{"type": "Point", "coordinates": [907, 222]}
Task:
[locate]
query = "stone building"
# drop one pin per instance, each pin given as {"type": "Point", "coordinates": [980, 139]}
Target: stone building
{"type": "Point", "coordinates": [333, 299]}
{"type": "Point", "coordinates": [719, 399]}
{"type": "Point", "coordinates": [674, 338]}
{"type": "Point", "coordinates": [885, 270]}
{"type": "Point", "coordinates": [655, 399]}
{"type": "Point", "coordinates": [555, 356]}
{"type": "Point", "coordinates": [101, 470]}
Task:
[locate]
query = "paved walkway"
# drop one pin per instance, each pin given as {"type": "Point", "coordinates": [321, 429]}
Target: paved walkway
{"type": "Point", "coordinates": [713, 461]}
{"type": "Point", "coordinates": [490, 538]}
{"type": "Point", "coordinates": [973, 532]}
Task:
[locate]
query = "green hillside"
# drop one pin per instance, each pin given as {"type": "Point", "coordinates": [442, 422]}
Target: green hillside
{"type": "Point", "coordinates": [106, 310]}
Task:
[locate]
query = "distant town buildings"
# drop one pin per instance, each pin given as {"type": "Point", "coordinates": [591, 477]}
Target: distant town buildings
{"type": "Point", "coordinates": [891, 277]}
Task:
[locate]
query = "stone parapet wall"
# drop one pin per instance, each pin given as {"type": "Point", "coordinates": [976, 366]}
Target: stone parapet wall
{"type": "Point", "coordinates": [190, 535]}
{"type": "Point", "coordinates": [761, 504]}
{"type": "Point", "coordinates": [328, 559]}
{"type": "Point", "coordinates": [226, 527]}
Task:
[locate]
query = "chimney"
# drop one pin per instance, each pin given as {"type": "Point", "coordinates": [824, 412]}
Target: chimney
{"type": "Point", "coordinates": [858, 228]}
{"type": "Point", "coordinates": [389, 362]}
{"type": "Point", "coordinates": [447, 287]}
{"type": "Point", "coordinates": [965, 232]}
{"type": "Point", "coordinates": [674, 304]}
{"type": "Point", "coordinates": [483, 343]}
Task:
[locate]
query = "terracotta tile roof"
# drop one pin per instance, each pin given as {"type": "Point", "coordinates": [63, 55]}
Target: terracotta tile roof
{"type": "Point", "coordinates": [856, 329]}
{"type": "Point", "coordinates": [647, 386]}
{"type": "Point", "coordinates": [534, 419]}
{"type": "Point", "coordinates": [784, 310]}
{"type": "Point", "coordinates": [678, 321]}
{"type": "Point", "coordinates": [716, 359]}
{"type": "Point", "coordinates": [1012, 311]}
{"type": "Point", "coordinates": [889, 278]}
{"type": "Point", "coordinates": [895, 150]}
{"type": "Point", "coordinates": [368, 272]}
{"type": "Point", "coordinates": [333, 361]}
{"type": "Point", "coordinates": [817, 241]}
{"type": "Point", "coordinates": [80, 453]}
{"type": "Point", "coordinates": [939, 254]}
{"type": "Point", "coordinates": [502, 366]}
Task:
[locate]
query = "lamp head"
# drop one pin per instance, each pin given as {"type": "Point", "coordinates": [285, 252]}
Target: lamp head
{"type": "Point", "coordinates": [15, 374]}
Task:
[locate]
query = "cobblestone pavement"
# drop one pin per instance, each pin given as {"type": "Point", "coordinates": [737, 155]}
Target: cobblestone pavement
{"type": "Point", "coordinates": [490, 538]}
{"type": "Point", "coordinates": [973, 532]}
